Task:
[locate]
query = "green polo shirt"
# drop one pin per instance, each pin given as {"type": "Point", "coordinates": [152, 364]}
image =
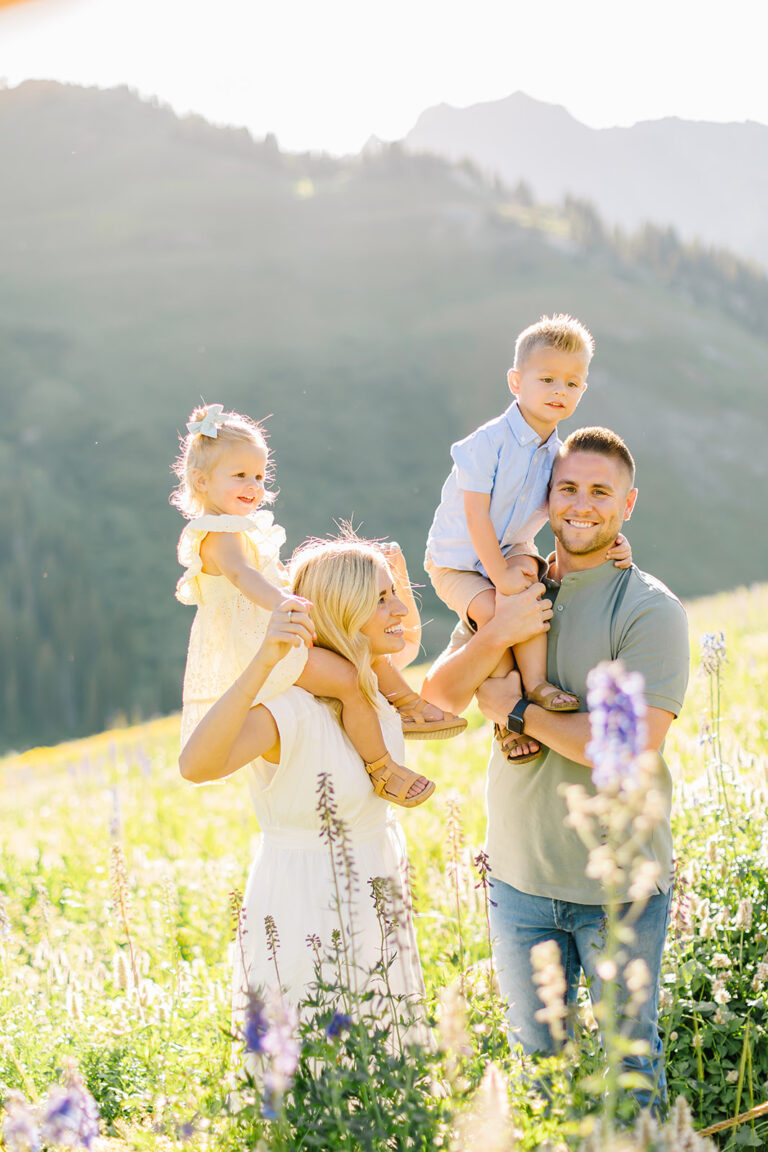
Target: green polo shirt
{"type": "Point", "coordinates": [604, 613]}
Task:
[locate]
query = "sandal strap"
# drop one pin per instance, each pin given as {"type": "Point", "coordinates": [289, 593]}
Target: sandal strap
{"type": "Point", "coordinates": [403, 699]}
{"type": "Point", "coordinates": [389, 771]}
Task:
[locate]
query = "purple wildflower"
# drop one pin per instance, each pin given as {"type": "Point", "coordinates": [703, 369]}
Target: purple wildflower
{"type": "Point", "coordinates": [20, 1133]}
{"type": "Point", "coordinates": [340, 1023]}
{"type": "Point", "coordinates": [70, 1115]}
{"type": "Point", "coordinates": [256, 1024]}
{"type": "Point", "coordinates": [281, 1045]}
{"type": "Point", "coordinates": [713, 653]}
{"type": "Point", "coordinates": [616, 703]}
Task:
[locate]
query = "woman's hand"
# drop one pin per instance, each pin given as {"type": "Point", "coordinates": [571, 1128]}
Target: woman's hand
{"type": "Point", "coordinates": [289, 626]}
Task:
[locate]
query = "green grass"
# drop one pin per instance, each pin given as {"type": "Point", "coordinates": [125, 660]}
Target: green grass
{"type": "Point", "coordinates": [159, 1060]}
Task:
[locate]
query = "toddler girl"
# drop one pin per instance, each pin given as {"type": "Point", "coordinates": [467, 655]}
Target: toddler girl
{"type": "Point", "coordinates": [230, 549]}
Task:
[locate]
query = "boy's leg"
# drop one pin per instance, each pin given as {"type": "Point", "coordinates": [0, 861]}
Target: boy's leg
{"type": "Point", "coordinates": [531, 660]}
{"type": "Point", "coordinates": [482, 609]}
{"type": "Point", "coordinates": [328, 674]}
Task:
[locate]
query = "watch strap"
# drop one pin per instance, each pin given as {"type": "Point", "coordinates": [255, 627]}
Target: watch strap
{"type": "Point", "coordinates": [515, 720]}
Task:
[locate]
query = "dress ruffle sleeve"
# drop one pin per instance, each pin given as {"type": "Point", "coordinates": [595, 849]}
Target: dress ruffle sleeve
{"type": "Point", "coordinates": [264, 540]}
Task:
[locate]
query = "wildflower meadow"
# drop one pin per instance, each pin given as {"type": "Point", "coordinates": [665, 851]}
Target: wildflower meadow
{"type": "Point", "coordinates": [120, 886]}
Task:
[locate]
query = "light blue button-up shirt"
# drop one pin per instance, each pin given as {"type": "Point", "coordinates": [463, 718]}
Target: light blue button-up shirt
{"type": "Point", "coordinates": [505, 458]}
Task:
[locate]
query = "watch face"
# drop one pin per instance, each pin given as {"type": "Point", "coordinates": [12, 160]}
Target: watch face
{"type": "Point", "coordinates": [515, 719]}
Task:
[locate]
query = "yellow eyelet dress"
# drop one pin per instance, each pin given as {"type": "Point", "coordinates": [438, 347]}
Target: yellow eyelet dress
{"type": "Point", "coordinates": [228, 628]}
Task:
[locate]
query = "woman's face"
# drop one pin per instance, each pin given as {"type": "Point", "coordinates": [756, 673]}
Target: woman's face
{"type": "Point", "coordinates": [383, 629]}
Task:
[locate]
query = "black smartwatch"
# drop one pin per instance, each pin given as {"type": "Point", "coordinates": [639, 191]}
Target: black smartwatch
{"type": "Point", "coordinates": [515, 721]}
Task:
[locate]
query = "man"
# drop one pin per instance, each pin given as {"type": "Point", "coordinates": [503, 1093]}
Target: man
{"type": "Point", "coordinates": [541, 890]}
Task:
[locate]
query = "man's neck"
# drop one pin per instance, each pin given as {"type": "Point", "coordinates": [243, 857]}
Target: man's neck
{"type": "Point", "coordinates": [566, 562]}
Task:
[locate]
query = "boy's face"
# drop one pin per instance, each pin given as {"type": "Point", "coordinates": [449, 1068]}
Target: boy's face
{"type": "Point", "coordinates": [548, 386]}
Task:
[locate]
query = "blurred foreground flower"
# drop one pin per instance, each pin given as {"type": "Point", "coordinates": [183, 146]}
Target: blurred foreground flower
{"type": "Point", "coordinates": [616, 703]}
{"type": "Point", "coordinates": [68, 1118]}
{"type": "Point", "coordinates": [20, 1131]}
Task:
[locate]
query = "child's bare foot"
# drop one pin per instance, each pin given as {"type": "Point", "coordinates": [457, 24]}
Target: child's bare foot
{"type": "Point", "coordinates": [552, 698]}
{"type": "Point", "coordinates": [517, 749]}
{"type": "Point", "coordinates": [398, 784]}
{"type": "Point", "coordinates": [424, 721]}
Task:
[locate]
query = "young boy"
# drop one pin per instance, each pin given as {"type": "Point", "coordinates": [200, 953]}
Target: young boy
{"type": "Point", "coordinates": [495, 499]}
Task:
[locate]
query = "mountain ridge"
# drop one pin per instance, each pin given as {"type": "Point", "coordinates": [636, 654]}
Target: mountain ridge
{"type": "Point", "coordinates": [706, 179]}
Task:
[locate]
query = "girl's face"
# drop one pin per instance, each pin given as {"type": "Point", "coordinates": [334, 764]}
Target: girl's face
{"type": "Point", "coordinates": [383, 628]}
{"type": "Point", "coordinates": [235, 484]}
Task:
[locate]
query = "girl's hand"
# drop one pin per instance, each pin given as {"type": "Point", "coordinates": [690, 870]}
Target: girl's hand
{"type": "Point", "coordinates": [289, 626]}
{"type": "Point", "coordinates": [620, 552]}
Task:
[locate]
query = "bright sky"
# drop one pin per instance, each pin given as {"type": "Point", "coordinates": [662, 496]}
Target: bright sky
{"type": "Point", "coordinates": [327, 74]}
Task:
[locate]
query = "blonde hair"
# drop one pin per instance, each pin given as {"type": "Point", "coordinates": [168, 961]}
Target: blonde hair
{"type": "Point", "coordinates": [341, 578]}
{"type": "Point", "coordinates": [560, 331]}
{"type": "Point", "coordinates": [200, 454]}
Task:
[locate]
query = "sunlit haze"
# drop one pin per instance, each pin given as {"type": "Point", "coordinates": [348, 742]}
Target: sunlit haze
{"type": "Point", "coordinates": [329, 75]}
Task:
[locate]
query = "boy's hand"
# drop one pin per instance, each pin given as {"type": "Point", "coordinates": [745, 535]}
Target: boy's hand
{"type": "Point", "coordinates": [620, 552]}
{"type": "Point", "coordinates": [521, 572]}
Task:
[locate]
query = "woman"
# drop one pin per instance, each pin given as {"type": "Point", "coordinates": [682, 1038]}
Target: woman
{"type": "Point", "coordinates": [294, 748]}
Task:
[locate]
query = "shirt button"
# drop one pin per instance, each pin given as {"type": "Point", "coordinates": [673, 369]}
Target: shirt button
{"type": "Point", "coordinates": [559, 607]}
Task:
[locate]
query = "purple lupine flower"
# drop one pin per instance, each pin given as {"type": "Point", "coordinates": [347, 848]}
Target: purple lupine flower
{"type": "Point", "coordinates": [70, 1115]}
{"type": "Point", "coordinates": [713, 653]}
{"type": "Point", "coordinates": [20, 1132]}
{"type": "Point", "coordinates": [616, 703]}
{"type": "Point", "coordinates": [281, 1045]}
{"type": "Point", "coordinates": [256, 1024]}
{"type": "Point", "coordinates": [339, 1023]}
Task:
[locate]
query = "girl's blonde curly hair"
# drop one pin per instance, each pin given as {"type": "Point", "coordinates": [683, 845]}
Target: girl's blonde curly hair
{"type": "Point", "coordinates": [199, 454]}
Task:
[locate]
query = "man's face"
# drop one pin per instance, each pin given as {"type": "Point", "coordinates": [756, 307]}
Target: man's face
{"type": "Point", "coordinates": [590, 498]}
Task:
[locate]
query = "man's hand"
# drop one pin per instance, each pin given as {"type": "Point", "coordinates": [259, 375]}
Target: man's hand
{"type": "Point", "coordinates": [497, 696]}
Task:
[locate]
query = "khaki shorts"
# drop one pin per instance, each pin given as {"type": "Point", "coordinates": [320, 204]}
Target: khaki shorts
{"type": "Point", "coordinates": [457, 588]}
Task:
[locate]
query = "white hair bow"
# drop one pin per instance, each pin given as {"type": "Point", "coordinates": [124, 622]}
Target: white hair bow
{"type": "Point", "coordinates": [206, 424]}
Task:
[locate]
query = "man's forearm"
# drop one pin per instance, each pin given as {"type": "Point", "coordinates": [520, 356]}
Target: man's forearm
{"type": "Point", "coordinates": [454, 678]}
{"type": "Point", "coordinates": [564, 732]}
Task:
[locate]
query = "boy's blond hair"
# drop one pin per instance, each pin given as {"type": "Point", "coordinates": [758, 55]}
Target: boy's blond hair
{"type": "Point", "coordinates": [560, 331]}
{"type": "Point", "coordinates": [199, 454]}
{"type": "Point", "coordinates": [341, 579]}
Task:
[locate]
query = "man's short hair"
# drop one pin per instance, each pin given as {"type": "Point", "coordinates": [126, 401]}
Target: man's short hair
{"type": "Point", "coordinates": [560, 331]}
{"type": "Point", "coordinates": [601, 441]}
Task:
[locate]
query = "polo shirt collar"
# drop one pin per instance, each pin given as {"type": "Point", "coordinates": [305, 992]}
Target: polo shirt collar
{"type": "Point", "coordinates": [602, 573]}
{"type": "Point", "coordinates": [523, 432]}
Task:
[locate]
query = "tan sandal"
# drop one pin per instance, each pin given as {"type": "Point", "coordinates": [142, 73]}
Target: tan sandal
{"type": "Point", "coordinates": [544, 693]}
{"type": "Point", "coordinates": [417, 727]}
{"type": "Point", "coordinates": [392, 781]}
{"type": "Point", "coordinates": [508, 742]}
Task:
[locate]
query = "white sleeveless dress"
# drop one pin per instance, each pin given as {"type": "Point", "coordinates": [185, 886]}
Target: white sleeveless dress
{"type": "Point", "coordinates": [228, 628]}
{"type": "Point", "coordinates": [292, 875]}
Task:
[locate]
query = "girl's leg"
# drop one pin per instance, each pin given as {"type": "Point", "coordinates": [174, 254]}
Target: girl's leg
{"type": "Point", "coordinates": [420, 718]}
{"type": "Point", "coordinates": [328, 674]}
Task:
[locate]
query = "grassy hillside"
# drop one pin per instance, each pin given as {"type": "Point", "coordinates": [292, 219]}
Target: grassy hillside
{"type": "Point", "coordinates": [367, 307]}
{"type": "Point", "coordinates": [157, 1061]}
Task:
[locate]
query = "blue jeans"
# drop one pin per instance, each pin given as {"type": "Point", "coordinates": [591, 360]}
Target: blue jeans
{"type": "Point", "coordinates": [518, 921]}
